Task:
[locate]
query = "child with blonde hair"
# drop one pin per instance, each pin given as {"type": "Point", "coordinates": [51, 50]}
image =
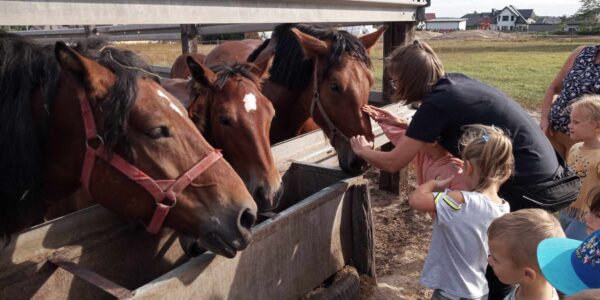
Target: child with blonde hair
{"type": "Point", "coordinates": [584, 159]}
{"type": "Point", "coordinates": [457, 258]}
{"type": "Point", "coordinates": [513, 240]}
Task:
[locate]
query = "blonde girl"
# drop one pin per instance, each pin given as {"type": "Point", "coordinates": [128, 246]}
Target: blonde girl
{"type": "Point", "coordinates": [584, 159]}
{"type": "Point", "coordinates": [456, 263]}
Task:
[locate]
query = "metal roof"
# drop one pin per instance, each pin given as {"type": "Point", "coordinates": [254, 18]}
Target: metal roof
{"type": "Point", "coordinates": [82, 12]}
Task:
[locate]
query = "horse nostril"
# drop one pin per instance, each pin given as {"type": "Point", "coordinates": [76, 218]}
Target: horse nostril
{"type": "Point", "coordinates": [247, 218]}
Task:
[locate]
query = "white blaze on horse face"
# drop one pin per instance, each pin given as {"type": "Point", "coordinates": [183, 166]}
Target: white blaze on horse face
{"type": "Point", "coordinates": [250, 102]}
{"type": "Point", "coordinates": [171, 104]}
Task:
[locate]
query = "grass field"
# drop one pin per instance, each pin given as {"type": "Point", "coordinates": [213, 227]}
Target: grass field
{"type": "Point", "coordinates": [521, 68]}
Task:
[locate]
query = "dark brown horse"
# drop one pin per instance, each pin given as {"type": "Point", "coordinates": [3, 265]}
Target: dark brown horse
{"type": "Point", "coordinates": [93, 117]}
{"type": "Point", "coordinates": [179, 69]}
{"type": "Point", "coordinates": [231, 52]}
{"type": "Point", "coordinates": [228, 107]}
{"type": "Point", "coordinates": [331, 94]}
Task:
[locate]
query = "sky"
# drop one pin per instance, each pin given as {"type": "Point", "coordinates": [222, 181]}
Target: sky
{"type": "Point", "coordinates": [458, 8]}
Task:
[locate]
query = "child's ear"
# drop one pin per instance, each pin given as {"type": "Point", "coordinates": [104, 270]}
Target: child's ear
{"type": "Point", "coordinates": [529, 275]}
{"type": "Point", "coordinates": [468, 168]}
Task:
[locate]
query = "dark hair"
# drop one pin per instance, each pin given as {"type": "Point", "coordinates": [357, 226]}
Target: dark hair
{"type": "Point", "coordinates": [417, 69]}
{"type": "Point", "coordinates": [594, 196]}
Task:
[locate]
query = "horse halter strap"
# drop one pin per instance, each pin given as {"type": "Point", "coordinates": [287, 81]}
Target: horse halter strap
{"type": "Point", "coordinates": [164, 192]}
{"type": "Point", "coordinates": [317, 100]}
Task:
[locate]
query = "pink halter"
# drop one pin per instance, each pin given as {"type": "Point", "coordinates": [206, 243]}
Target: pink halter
{"type": "Point", "coordinates": [164, 192]}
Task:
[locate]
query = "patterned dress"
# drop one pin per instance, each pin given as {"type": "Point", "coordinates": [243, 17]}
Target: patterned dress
{"type": "Point", "coordinates": [583, 78]}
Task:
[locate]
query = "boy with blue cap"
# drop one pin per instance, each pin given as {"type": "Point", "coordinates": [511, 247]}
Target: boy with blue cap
{"type": "Point", "coordinates": [571, 265]}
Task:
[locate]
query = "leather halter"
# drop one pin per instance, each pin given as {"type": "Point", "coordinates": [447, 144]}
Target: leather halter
{"type": "Point", "coordinates": [317, 100]}
{"type": "Point", "coordinates": [164, 192]}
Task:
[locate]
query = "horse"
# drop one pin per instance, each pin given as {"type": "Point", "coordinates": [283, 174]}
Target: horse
{"type": "Point", "coordinates": [231, 52]}
{"type": "Point", "coordinates": [179, 69]}
{"type": "Point", "coordinates": [226, 105]}
{"type": "Point", "coordinates": [93, 116]}
{"type": "Point", "coordinates": [322, 75]}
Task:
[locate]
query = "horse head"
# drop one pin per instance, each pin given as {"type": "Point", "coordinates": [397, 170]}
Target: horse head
{"type": "Point", "coordinates": [142, 134]}
{"type": "Point", "coordinates": [329, 71]}
{"type": "Point", "coordinates": [232, 113]}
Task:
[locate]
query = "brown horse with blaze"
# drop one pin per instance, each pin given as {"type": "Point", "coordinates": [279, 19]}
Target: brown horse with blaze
{"type": "Point", "coordinates": [227, 106]}
{"type": "Point", "coordinates": [96, 119]}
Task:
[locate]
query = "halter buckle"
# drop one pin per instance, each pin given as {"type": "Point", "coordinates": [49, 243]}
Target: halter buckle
{"type": "Point", "coordinates": [94, 142]}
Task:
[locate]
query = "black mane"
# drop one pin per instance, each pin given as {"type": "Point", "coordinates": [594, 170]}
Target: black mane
{"type": "Point", "coordinates": [289, 67]}
{"type": "Point", "coordinates": [24, 67]}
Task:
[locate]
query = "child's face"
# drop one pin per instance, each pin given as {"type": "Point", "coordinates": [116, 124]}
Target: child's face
{"type": "Point", "coordinates": [581, 127]}
{"type": "Point", "coordinates": [592, 221]}
{"type": "Point", "coordinates": [500, 260]}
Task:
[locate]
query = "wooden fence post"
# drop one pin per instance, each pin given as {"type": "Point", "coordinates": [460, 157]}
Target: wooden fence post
{"type": "Point", "coordinates": [189, 42]}
{"type": "Point", "coordinates": [397, 34]}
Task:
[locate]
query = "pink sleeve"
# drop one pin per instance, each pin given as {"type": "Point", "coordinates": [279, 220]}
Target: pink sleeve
{"type": "Point", "coordinates": [394, 134]}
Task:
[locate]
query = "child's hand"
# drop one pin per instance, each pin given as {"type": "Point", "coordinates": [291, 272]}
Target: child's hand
{"type": "Point", "coordinates": [442, 184]}
{"type": "Point", "coordinates": [384, 116]}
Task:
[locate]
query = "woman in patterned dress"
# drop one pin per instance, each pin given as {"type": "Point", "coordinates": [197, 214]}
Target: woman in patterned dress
{"type": "Point", "coordinates": [579, 75]}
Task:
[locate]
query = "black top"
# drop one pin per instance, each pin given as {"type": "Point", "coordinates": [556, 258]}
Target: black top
{"type": "Point", "coordinates": [457, 100]}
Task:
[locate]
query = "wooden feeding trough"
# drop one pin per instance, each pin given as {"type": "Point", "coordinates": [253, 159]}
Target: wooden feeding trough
{"type": "Point", "coordinates": [93, 254]}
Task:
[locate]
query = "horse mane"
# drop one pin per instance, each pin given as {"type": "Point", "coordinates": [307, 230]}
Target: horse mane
{"type": "Point", "coordinates": [289, 67]}
{"type": "Point", "coordinates": [26, 66]}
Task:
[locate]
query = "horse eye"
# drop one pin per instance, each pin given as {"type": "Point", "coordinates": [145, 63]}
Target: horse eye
{"type": "Point", "coordinates": [334, 87]}
{"type": "Point", "coordinates": [159, 132]}
{"type": "Point", "coordinates": [224, 120]}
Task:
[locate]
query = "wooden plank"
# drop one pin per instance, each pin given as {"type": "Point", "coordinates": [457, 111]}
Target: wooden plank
{"type": "Point", "coordinates": [290, 254]}
{"type": "Point", "coordinates": [82, 12]}
{"type": "Point", "coordinates": [189, 42]}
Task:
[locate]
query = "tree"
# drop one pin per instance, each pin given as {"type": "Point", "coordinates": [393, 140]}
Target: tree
{"type": "Point", "coordinates": [588, 13]}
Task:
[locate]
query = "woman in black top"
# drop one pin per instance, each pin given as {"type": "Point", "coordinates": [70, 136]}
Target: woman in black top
{"type": "Point", "coordinates": [448, 102]}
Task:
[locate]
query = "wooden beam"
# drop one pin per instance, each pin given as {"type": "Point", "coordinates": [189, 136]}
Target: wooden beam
{"type": "Point", "coordinates": [363, 256]}
{"type": "Point", "coordinates": [189, 42]}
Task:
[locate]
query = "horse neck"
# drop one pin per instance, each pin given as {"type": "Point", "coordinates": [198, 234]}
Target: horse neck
{"type": "Point", "coordinates": [291, 110]}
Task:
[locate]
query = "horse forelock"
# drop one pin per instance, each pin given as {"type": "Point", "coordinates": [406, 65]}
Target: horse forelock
{"type": "Point", "coordinates": [289, 67]}
{"type": "Point", "coordinates": [224, 72]}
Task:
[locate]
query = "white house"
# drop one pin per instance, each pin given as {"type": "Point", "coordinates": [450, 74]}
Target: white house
{"type": "Point", "coordinates": [446, 24]}
{"type": "Point", "coordinates": [512, 19]}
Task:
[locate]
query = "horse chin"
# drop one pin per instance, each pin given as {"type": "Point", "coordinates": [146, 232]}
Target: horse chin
{"type": "Point", "coordinates": [349, 162]}
{"type": "Point", "coordinates": [213, 242]}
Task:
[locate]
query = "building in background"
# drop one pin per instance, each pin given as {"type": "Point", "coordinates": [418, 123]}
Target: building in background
{"type": "Point", "coordinates": [446, 24]}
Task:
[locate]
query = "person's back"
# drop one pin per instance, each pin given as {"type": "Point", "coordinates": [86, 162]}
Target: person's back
{"type": "Point", "coordinates": [477, 103]}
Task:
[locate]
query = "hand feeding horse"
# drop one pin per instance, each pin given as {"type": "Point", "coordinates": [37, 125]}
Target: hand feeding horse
{"type": "Point", "coordinates": [228, 107]}
{"type": "Point", "coordinates": [94, 118]}
{"type": "Point", "coordinates": [320, 74]}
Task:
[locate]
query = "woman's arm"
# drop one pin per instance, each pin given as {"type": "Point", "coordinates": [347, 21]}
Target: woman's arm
{"type": "Point", "coordinates": [392, 161]}
{"type": "Point", "coordinates": [555, 88]}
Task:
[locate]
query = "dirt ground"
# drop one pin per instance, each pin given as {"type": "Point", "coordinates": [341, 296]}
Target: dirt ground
{"type": "Point", "coordinates": [401, 241]}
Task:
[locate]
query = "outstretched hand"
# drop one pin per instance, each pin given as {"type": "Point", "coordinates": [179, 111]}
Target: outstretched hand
{"type": "Point", "coordinates": [442, 184]}
{"type": "Point", "coordinates": [359, 143]}
{"type": "Point", "coordinates": [545, 126]}
{"type": "Point", "coordinates": [384, 116]}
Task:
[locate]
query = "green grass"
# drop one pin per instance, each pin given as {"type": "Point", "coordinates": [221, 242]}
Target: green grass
{"type": "Point", "coordinates": [521, 68]}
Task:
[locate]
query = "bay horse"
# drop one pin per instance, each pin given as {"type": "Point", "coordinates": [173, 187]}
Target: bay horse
{"type": "Point", "coordinates": [92, 117]}
{"type": "Point", "coordinates": [179, 68]}
{"type": "Point", "coordinates": [227, 106]}
{"type": "Point", "coordinates": [322, 75]}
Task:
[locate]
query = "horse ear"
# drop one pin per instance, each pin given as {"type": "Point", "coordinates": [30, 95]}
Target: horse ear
{"type": "Point", "coordinates": [95, 78]}
{"type": "Point", "coordinates": [369, 40]}
{"type": "Point", "coordinates": [260, 68]}
{"type": "Point", "coordinates": [200, 73]}
{"type": "Point", "coordinates": [312, 46]}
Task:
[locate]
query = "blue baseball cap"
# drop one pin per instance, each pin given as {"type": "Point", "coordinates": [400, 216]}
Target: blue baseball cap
{"type": "Point", "coordinates": [571, 265]}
